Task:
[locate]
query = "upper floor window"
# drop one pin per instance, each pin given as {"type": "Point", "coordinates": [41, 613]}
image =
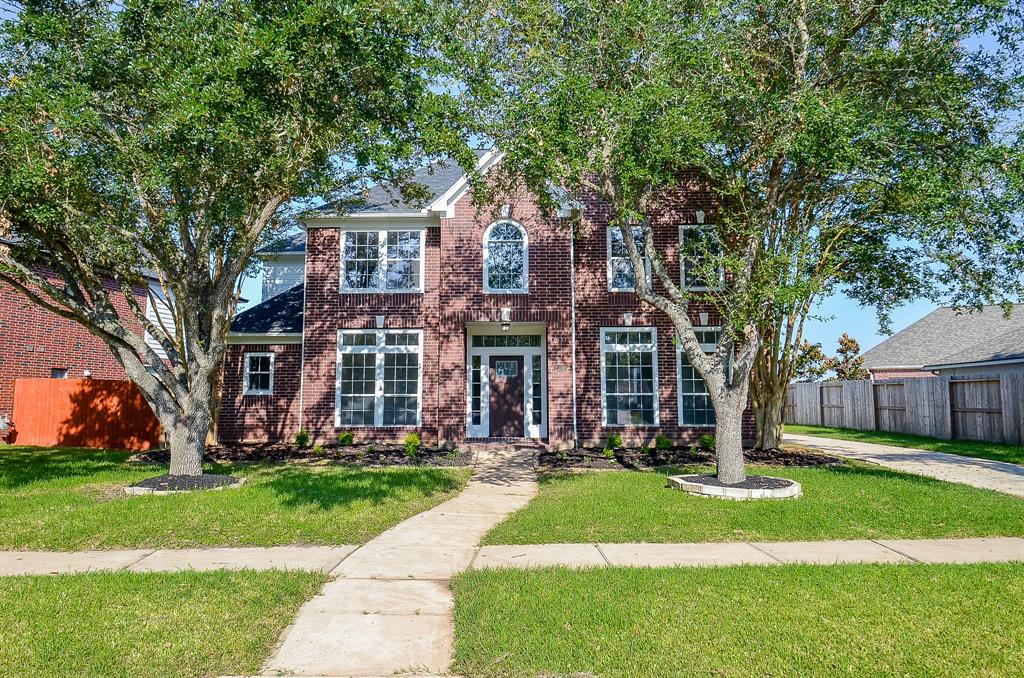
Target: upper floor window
{"type": "Point", "coordinates": [382, 261]}
{"type": "Point", "coordinates": [699, 246]}
{"type": "Point", "coordinates": [620, 268]}
{"type": "Point", "coordinates": [259, 374]}
{"type": "Point", "coordinates": [506, 257]}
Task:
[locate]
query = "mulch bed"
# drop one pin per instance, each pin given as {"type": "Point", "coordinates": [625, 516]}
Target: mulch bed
{"type": "Point", "coordinates": [636, 459]}
{"type": "Point", "coordinates": [168, 483]}
{"type": "Point", "coordinates": [751, 483]}
{"type": "Point", "coordinates": [360, 454]}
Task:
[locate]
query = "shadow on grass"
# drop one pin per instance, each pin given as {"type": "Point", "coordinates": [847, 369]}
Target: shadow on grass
{"type": "Point", "coordinates": [850, 469]}
{"type": "Point", "coordinates": [25, 465]}
{"type": "Point", "coordinates": [326, 490]}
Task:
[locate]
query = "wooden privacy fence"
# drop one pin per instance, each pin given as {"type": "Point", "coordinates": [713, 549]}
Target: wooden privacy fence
{"type": "Point", "coordinates": [97, 413]}
{"type": "Point", "coordinates": [966, 408]}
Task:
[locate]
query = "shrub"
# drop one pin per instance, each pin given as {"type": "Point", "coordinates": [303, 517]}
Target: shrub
{"type": "Point", "coordinates": [662, 441]}
{"type": "Point", "coordinates": [346, 438]}
{"type": "Point", "coordinates": [609, 453]}
{"type": "Point", "coordinates": [318, 449]}
{"type": "Point", "coordinates": [412, 445]}
{"type": "Point", "coordinates": [302, 438]}
{"type": "Point", "coordinates": [614, 441]}
{"type": "Point", "coordinates": [707, 441]}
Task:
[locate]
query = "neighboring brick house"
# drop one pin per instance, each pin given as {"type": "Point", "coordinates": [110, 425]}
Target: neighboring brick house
{"type": "Point", "coordinates": [35, 343]}
{"type": "Point", "coordinates": [952, 342]}
{"type": "Point", "coordinates": [464, 323]}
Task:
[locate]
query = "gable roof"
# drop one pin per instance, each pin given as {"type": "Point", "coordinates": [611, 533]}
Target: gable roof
{"type": "Point", "coordinates": [946, 332]}
{"type": "Point", "coordinates": [438, 177]}
{"type": "Point", "coordinates": [1003, 348]}
{"type": "Point", "coordinates": [280, 314]}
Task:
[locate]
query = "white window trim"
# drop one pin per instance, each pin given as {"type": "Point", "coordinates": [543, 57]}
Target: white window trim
{"type": "Point", "coordinates": [653, 347]}
{"type": "Point", "coordinates": [609, 258]}
{"type": "Point", "coordinates": [680, 355]}
{"type": "Point", "coordinates": [378, 392]}
{"type": "Point", "coordinates": [683, 228]}
{"type": "Point", "coordinates": [245, 378]}
{"type": "Point", "coordinates": [382, 245]}
{"type": "Point", "coordinates": [483, 429]}
{"type": "Point", "coordinates": [526, 259]}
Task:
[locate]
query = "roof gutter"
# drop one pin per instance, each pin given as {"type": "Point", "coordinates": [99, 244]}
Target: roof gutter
{"type": "Point", "coordinates": [977, 363]}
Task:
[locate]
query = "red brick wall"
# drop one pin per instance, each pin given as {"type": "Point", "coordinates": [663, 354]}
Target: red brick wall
{"type": "Point", "coordinates": [33, 341]}
{"type": "Point", "coordinates": [453, 296]}
{"type": "Point", "coordinates": [879, 375]}
{"type": "Point", "coordinates": [261, 417]}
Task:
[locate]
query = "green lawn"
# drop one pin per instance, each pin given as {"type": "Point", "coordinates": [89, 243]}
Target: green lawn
{"type": "Point", "coordinates": [127, 624]}
{"type": "Point", "coordinates": [867, 620]}
{"type": "Point", "coordinates": [847, 502]}
{"type": "Point", "coordinates": [1013, 454]}
{"type": "Point", "coordinates": [68, 499]}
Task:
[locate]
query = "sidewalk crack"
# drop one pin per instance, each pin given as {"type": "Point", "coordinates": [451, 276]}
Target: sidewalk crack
{"type": "Point", "coordinates": [895, 550]}
{"type": "Point", "coordinates": [767, 553]}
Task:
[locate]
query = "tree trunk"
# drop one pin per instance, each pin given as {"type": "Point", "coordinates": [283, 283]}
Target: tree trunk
{"type": "Point", "coordinates": [188, 442]}
{"type": "Point", "coordinates": [729, 439]}
{"type": "Point", "coordinates": [768, 413]}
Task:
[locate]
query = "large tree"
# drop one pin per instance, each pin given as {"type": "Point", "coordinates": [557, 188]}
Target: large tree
{"type": "Point", "coordinates": [840, 137]}
{"type": "Point", "coordinates": [166, 139]}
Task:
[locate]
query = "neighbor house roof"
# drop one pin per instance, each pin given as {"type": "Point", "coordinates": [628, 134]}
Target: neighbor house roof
{"type": "Point", "coordinates": [294, 243]}
{"type": "Point", "coordinates": [280, 314]}
{"type": "Point", "coordinates": [945, 333]}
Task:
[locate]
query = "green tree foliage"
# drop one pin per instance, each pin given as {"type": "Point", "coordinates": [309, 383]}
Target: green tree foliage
{"type": "Point", "coordinates": [810, 363]}
{"type": "Point", "coordinates": [861, 145]}
{"type": "Point", "coordinates": [170, 138]}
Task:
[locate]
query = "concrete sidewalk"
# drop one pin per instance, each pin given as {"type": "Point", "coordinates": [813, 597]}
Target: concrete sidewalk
{"type": "Point", "coordinates": [309, 558]}
{"type": "Point", "coordinates": [984, 473]}
{"type": "Point", "coordinates": [979, 550]}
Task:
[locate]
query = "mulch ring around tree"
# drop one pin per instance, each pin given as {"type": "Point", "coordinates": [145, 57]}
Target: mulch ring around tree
{"type": "Point", "coordinates": [359, 454]}
{"type": "Point", "coordinates": [641, 458]}
{"type": "Point", "coordinates": [168, 483]}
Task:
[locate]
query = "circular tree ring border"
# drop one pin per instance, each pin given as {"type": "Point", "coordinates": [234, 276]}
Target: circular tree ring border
{"type": "Point", "coordinates": [135, 490]}
{"type": "Point", "coordinates": [688, 484]}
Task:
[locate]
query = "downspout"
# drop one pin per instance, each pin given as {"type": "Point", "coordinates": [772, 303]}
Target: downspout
{"type": "Point", "coordinates": [302, 350]}
{"type": "Point", "coordinates": [572, 308]}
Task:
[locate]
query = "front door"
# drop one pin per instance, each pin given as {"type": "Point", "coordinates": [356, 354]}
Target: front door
{"type": "Point", "coordinates": [507, 392]}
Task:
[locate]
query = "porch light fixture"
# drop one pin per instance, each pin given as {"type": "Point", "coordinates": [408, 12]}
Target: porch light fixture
{"type": "Point", "coordinates": [628, 319]}
{"type": "Point", "coordinates": [506, 211]}
{"type": "Point", "coordinates": [506, 319]}
{"type": "Point", "coordinates": [703, 319]}
{"type": "Point", "coordinates": [700, 216]}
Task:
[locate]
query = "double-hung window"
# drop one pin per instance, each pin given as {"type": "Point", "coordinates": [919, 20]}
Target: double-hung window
{"type": "Point", "coordinates": [259, 374]}
{"type": "Point", "coordinates": [379, 377]}
{"type": "Point", "coordinates": [506, 258]}
{"type": "Point", "coordinates": [382, 261]}
{"type": "Point", "coordinates": [695, 408]}
{"type": "Point", "coordinates": [699, 247]}
{"type": "Point", "coordinates": [629, 376]}
{"type": "Point", "coordinates": [620, 268]}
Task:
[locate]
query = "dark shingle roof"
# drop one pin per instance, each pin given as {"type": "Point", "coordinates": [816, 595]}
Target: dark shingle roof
{"type": "Point", "coordinates": [1008, 346]}
{"type": "Point", "coordinates": [294, 243]}
{"type": "Point", "coordinates": [281, 314]}
{"type": "Point", "coordinates": [438, 177]}
{"type": "Point", "coordinates": [946, 332]}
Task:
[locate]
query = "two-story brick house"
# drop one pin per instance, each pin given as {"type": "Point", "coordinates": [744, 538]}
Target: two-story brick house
{"type": "Point", "coordinates": [464, 323]}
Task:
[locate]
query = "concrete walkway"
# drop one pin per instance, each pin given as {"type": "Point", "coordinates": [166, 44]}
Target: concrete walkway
{"type": "Point", "coordinates": [984, 473]}
{"type": "Point", "coordinates": [389, 609]}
